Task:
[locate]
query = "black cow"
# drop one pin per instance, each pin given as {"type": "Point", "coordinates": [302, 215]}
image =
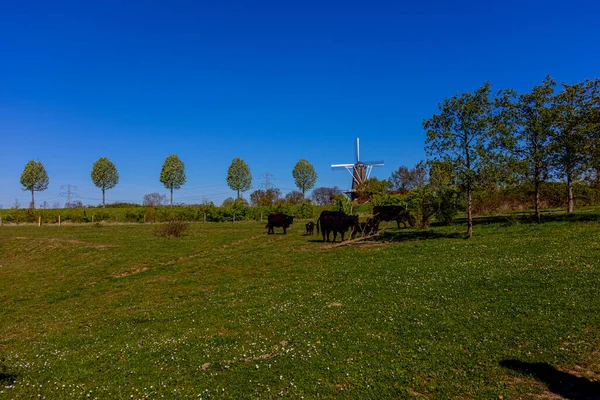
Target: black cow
{"type": "Point", "coordinates": [310, 227]}
{"type": "Point", "coordinates": [278, 220]}
{"type": "Point", "coordinates": [336, 222]}
{"type": "Point", "coordinates": [394, 213]}
{"type": "Point", "coordinates": [370, 227]}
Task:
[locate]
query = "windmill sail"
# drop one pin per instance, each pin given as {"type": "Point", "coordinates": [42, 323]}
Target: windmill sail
{"type": "Point", "coordinates": [360, 171]}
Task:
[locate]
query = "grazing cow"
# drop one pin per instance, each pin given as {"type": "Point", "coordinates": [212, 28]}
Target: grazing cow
{"type": "Point", "coordinates": [394, 213]}
{"type": "Point", "coordinates": [278, 220]}
{"type": "Point", "coordinates": [336, 222]}
{"type": "Point", "coordinates": [370, 227]}
{"type": "Point", "coordinates": [310, 227]}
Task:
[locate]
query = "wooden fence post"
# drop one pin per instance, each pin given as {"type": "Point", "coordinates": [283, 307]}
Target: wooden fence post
{"type": "Point", "coordinates": [204, 216]}
{"type": "Point", "coordinates": [39, 221]}
{"type": "Point", "coordinates": [58, 219]}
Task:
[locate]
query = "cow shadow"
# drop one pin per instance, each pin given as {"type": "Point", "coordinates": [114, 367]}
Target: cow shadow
{"type": "Point", "coordinates": [561, 383]}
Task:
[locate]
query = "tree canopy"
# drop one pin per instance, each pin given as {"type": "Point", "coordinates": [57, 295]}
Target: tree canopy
{"type": "Point", "coordinates": [304, 175]}
{"type": "Point", "coordinates": [239, 177]}
{"type": "Point", "coordinates": [462, 133]}
{"type": "Point", "coordinates": [172, 174]}
{"type": "Point", "coordinates": [34, 178]}
{"type": "Point", "coordinates": [105, 176]}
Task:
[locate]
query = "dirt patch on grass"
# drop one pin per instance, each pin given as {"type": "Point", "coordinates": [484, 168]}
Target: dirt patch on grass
{"type": "Point", "coordinates": [131, 272]}
{"type": "Point", "coordinates": [57, 243]}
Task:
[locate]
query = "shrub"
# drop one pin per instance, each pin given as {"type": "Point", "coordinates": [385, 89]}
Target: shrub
{"type": "Point", "coordinates": [173, 228]}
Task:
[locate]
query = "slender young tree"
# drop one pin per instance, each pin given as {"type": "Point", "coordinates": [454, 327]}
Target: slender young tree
{"type": "Point", "coordinates": [34, 179]}
{"type": "Point", "coordinates": [105, 176]}
{"type": "Point", "coordinates": [533, 128]}
{"type": "Point", "coordinates": [304, 175]}
{"type": "Point", "coordinates": [571, 139]}
{"type": "Point", "coordinates": [239, 177]}
{"type": "Point", "coordinates": [172, 174]}
{"type": "Point", "coordinates": [462, 134]}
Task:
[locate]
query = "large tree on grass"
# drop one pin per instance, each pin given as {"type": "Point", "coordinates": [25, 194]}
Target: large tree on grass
{"type": "Point", "coordinates": [463, 134]}
{"type": "Point", "coordinates": [573, 132]}
{"type": "Point", "coordinates": [34, 179]}
{"type": "Point", "coordinates": [533, 128]}
{"type": "Point", "coordinates": [304, 175]}
{"type": "Point", "coordinates": [172, 174]}
{"type": "Point", "coordinates": [239, 177]}
{"type": "Point", "coordinates": [105, 176]}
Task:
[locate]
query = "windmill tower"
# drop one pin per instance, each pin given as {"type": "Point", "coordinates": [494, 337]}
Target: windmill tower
{"type": "Point", "coordinates": [360, 170]}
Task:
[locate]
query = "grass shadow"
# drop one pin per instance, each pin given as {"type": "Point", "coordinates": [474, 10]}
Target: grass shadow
{"type": "Point", "coordinates": [413, 235]}
{"type": "Point", "coordinates": [564, 384]}
{"type": "Point", "coordinates": [6, 378]}
{"type": "Point", "coordinates": [527, 217]}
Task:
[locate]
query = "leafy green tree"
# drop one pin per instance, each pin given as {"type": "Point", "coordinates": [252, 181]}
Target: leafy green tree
{"type": "Point", "coordinates": [304, 175]}
{"type": "Point", "coordinates": [105, 176]}
{"type": "Point", "coordinates": [239, 177]}
{"type": "Point", "coordinates": [34, 179]}
{"type": "Point", "coordinates": [533, 127]}
{"type": "Point", "coordinates": [571, 140]}
{"type": "Point", "coordinates": [463, 134]}
{"type": "Point", "coordinates": [172, 174]}
{"type": "Point", "coordinates": [372, 187]}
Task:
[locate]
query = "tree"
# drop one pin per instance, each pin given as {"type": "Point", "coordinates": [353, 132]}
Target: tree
{"type": "Point", "coordinates": [154, 199]}
{"type": "Point", "coordinates": [533, 127]}
{"type": "Point", "coordinates": [294, 197]}
{"type": "Point", "coordinates": [571, 139]}
{"type": "Point", "coordinates": [265, 197]}
{"type": "Point", "coordinates": [462, 133]}
{"type": "Point", "coordinates": [372, 187]}
{"type": "Point", "coordinates": [404, 179]}
{"type": "Point", "coordinates": [105, 176]}
{"type": "Point", "coordinates": [239, 177]}
{"type": "Point", "coordinates": [34, 178]}
{"type": "Point", "coordinates": [172, 174]}
{"type": "Point", "coordinates": [304, 175]}
{"type": "Point", "coordinates": [324, 195]}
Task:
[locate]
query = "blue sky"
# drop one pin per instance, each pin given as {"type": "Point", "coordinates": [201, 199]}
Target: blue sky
{"type": "Point", "coordinates": [270, 82]}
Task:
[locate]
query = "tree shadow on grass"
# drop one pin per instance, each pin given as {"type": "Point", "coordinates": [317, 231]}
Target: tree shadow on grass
{"type": "Point", "coordinates": [414, 235]}
{"type": "Point", "coordinates": [5, 377]}
{"type": "Point", "coordinates": [561, 383]}
{"type": "Point", "coordinates": [529, 218]}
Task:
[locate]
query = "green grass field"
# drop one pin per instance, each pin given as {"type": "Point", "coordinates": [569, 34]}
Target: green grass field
{"type": "Point", "coordinates": [226, 311]}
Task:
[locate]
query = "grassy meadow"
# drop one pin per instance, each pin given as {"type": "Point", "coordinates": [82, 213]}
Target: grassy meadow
{"type": "Point", "coordinates": [225, 311]}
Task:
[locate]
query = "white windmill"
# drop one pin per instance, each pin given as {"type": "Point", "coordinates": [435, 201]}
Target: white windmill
{"type": "Point", "coordinates": [360, 170]}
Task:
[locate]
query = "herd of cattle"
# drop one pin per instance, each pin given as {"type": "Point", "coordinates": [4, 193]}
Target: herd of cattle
{"type": "Point", "coordinates": [339, 222]}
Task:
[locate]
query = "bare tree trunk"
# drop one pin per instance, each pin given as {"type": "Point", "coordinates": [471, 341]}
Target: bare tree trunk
{"type": "Point", "coordinates": [171, 197]}
{"type": "Point", "coordinates": [103, 198]}
{"type": "Point", "coordinates": [571, 200]}
{"type": "Point", "coordinates": [32, 205]}
{"type": "Point", "coordinates": [469, 213]}
{"type": "Point", "coordinates": [538, 216]}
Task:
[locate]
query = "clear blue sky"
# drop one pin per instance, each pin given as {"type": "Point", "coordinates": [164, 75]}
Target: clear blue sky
{"type": "Point", "coordinates": [271, 82]}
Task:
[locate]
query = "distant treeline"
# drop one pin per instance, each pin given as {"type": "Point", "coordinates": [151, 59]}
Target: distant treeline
{"type": "Point", "coordinates": [552, 195]}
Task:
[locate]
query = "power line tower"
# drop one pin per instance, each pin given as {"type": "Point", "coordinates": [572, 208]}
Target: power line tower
{"type": "Point", "coordinates": [68, 193]}
{"type": "Point", "coordinates": [267, 184]}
